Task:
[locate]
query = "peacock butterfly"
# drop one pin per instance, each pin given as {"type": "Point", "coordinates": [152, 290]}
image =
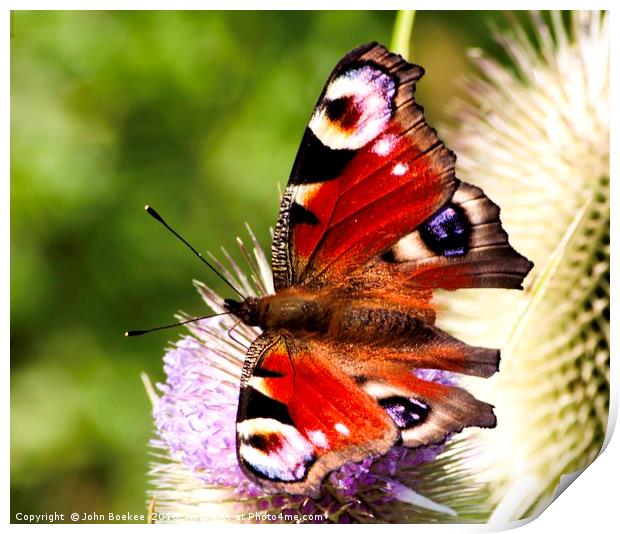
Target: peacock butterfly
{"type": "Point", "coordinates": [373, 219]}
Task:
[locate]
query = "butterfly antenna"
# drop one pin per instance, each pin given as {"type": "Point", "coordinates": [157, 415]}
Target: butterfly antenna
{"type": "Point", "coordinates": [159, 218]}
{"type": "Point", "coordinates": [132, 333]}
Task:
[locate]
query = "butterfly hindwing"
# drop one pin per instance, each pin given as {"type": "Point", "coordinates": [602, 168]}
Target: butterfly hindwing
{"type": "Point", "coordinates": [462, 245]}
{"type": "Point", "coordinates": [411, 343]}
{"type": "Point", "coordinates": [425, 412]}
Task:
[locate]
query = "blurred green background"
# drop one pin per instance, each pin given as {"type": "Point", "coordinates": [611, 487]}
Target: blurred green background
{"type": "Point", "coordinates": [197, 113]}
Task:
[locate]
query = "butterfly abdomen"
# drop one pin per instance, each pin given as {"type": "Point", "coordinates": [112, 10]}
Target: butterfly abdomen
{"type": "Point", "coordinates": [369, 325]}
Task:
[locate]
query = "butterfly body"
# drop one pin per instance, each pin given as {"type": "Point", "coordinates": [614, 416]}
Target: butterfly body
{"type": "Point", "coordinates": [372, 221]}
{"type": "Point", "coordinates": [328, 316]}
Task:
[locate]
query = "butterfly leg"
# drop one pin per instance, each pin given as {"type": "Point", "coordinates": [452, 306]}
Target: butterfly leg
{"type": "Point", "coordinates": [230, 330]}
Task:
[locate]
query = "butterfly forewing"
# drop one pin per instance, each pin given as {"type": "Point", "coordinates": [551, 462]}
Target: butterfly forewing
{"type": "Point", "coordinates": [369, 170]}
{"type": "Point", "coordinates": [300, 417]}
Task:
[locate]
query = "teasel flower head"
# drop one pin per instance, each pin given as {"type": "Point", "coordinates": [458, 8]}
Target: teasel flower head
{"type": "Point", "coordinates": [534, 135]}
{"type": "Point", "coordinates": [195, 474]}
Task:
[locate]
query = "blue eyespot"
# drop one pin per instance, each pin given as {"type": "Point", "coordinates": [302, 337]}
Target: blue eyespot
{"type": "Point", "coordinates": [405, 412]}
{"type": "Point", "coordinates": [447, 232]}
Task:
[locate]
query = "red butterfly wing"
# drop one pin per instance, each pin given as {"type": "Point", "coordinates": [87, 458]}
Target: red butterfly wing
{"type": "Point", "coordinates": [426, 412]}
{"type": "Point", "coordinates": [306, 408]}
{"type": "Point", "coordinates": [462, 245]}
{"type": "Point", "coordinates": [301, 417]}
{"type": "Point", "coordinates": [371, 173]}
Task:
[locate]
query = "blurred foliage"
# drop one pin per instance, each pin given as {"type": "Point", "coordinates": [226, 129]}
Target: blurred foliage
{"type": "Point", "coordinates": [197, 113]}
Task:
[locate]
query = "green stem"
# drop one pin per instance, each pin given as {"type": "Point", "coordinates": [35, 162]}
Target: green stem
{"type": "Point", "coordinates": [401, 36]}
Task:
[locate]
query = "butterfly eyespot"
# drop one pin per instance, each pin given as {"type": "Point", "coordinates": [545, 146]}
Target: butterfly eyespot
{"type": "Point", "coordinates": [274, 450]}
{"type": "Point", "coordinates": [405, 412]}
{"type": "Point", "coordinates": [357, 108]}
{"type": "Point", "coordinates": [447, 232]}
{"type": "Point", "coordinates": [265, 441]}
{"type": "Point", "coordinates": [343, 112]}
